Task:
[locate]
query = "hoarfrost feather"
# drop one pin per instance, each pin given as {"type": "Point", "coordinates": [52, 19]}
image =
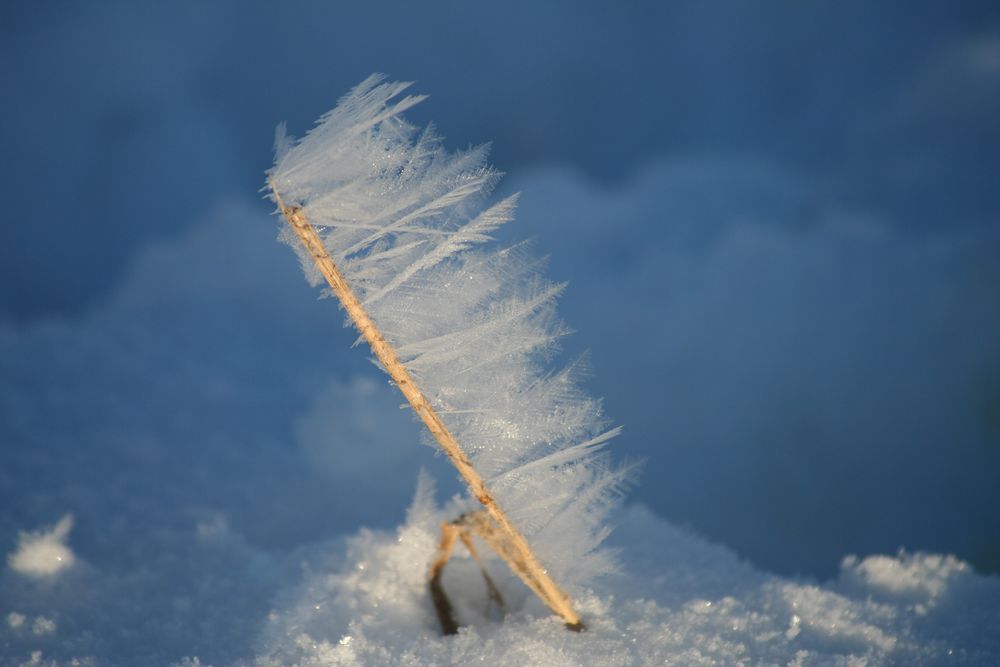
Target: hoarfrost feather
{"type": "Point", "coordinates": [405, 220]}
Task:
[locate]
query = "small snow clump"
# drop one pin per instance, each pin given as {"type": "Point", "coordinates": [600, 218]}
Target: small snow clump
{"type": "Point", "coordinates": [43, 554]}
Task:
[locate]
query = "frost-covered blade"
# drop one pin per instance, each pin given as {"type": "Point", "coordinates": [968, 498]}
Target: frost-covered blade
{"type": "Point", "coordinates": [406, 222]}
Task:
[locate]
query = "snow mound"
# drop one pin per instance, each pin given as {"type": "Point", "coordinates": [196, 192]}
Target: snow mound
{"type": "Point", "coordinates": [44, 554]}
{"type": "Point", "coordinates": [199, 496]}
{"type": "Point", "coordinates": [685, 601]}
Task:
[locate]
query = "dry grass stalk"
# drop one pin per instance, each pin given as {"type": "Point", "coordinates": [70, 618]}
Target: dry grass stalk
{"type": "Point", "coordinates": [450, 532]}
{"type": "Point", "coordinates": [513, 547]}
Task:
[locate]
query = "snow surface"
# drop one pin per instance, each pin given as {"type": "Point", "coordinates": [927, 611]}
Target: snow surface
{"type": "Point", "coordinates": [203, 428]}
{"type": "Point", "coordinates": [683, 601]}
{"type": "Point", "coordinates": [43, 553]}
{"type": "Point", "coordinates": [765, 349]}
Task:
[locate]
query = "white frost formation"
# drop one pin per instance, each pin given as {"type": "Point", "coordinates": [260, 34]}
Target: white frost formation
{"type": "Point", "coordinates": [43, 554]}
{"type": "Point", "coordinates": [401, 217]}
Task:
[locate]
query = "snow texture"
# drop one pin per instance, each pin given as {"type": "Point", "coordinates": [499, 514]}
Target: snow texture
{"type": "Point", "coordinates": [211, 458]}
{"type": "Point", "coordinates": [782, 348]}
{"type": "Point", "coordinates": [401, 217]}
{"type": "Point", "coordinates": [43, 554]}
{"type": "Point", "coordinates": [682, 601]}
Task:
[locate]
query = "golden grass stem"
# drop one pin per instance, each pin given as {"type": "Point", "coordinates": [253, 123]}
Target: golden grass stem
{"type": "Point", "coordinates": [516, 552]}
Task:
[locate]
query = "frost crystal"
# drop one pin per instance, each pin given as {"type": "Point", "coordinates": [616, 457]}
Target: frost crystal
{"type": "Point", "coordinates": [404, 219]}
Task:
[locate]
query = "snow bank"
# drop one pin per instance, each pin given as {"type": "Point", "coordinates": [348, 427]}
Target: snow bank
{"type": "Point", "coordinates": [684, 601]}
{"type": "Point", "coordinates": [765, 349]}
{"type": "Point", "coordinates": [196, 435]}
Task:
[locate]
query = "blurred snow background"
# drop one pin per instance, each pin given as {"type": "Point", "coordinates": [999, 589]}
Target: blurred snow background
{"type": "Point", "coordinates": [779, 224]}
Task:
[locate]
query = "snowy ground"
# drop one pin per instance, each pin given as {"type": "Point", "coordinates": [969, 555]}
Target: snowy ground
{"type": "Point", "coordinates": [680, 601]}
{"type": "Point", "coordinates": [786, 271]}
{"type": "Point", "coordinates": [205, 429]}
{"type": "Point", "coordinates": [362, 601]}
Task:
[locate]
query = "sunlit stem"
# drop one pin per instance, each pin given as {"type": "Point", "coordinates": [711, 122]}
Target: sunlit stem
{"type": "Point", "coordinates": [515, 549]}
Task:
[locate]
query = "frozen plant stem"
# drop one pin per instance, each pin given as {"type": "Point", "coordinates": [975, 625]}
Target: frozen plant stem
{"type": "Point", "coordinates": [460, 529]}
{"type": "Point", "coordinates": [517, 553]}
